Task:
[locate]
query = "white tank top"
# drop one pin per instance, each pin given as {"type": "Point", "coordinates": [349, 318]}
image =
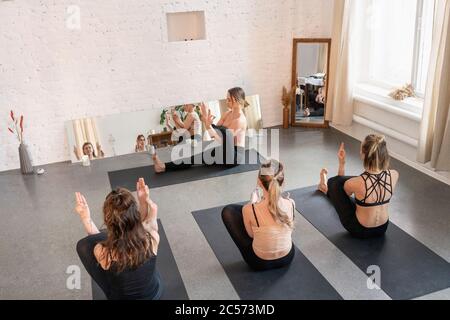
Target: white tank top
{"type": "Point", "coordinates": [271, 242]}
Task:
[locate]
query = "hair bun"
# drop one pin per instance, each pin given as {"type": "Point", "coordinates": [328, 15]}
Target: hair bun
{"type": "Point", "coordinates": [381, 139]}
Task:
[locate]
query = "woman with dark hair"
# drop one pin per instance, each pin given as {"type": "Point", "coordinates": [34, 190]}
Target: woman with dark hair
{"type": "Point", "coordinates": [140, 144]}
{"type": "Point", "coordinates": [262, 231]}
{"type": "Point", "coordinates": [366, 214]}
{"type": "Point", "coordinates": [228, 134]}
{"type": "Point", "coordinates": [122, 259]}
{"type": "Point", "coordinates": [88, 150]}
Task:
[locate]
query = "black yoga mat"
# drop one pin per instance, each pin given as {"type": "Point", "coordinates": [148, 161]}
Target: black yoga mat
{"type": "Point", "coordinates": [408, 268]}
{"type": "Point", "coordinates": [299, 281]}
{"type": "Point", "coordinates": [127, 178]}
{"type": "Point", "coordinates": [173, 284]}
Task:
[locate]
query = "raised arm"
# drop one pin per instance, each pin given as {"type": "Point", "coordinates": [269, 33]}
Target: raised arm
{"type": "Point", "coordinates": [207, 119]}
{"type": "Point", "coordinates": [101, 154]}
{"type": "Point", "coordinates": [82, 208]}
{"type": "Point", "coordinates": [178, 123]}
{"type": "Point", "coordinates": [77, 154]}
{"type": "Point", "coordinates": [188, 122]}
{"type": "Point", "coordinates": [341, 157]}
{"type": "Point", "coordinates": [168, 124]}
{"type": "Point", "coordinates": [147, 208]}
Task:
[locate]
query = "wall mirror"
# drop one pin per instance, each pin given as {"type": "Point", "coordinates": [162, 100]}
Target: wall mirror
{"type": "Point", "coordinates": [132, 132]}
{"type": "Point", "coordinates": [310, 70]}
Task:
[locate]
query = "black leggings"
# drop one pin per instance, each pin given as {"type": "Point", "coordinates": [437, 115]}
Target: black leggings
{"type": "Point", "coordinates": [85, 250]}
{"type": "Point", "coordinates": [317, 112]}
{"type": "Point", "coordinates": [228, 154]}
{"type": "Point", "coordinates": [346, 209]}
{"type": "Point", "coordinates": [234, 222]}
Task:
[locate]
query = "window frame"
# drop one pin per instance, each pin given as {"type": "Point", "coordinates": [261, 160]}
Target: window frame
{"type": "Point", "coordinates": [418, 34]}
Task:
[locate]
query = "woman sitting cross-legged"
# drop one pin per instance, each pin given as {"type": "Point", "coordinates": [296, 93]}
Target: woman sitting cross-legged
{"type": "Point", "coordinates": [263, 231]}
{"type": "Point", "coordinates": [228, 135]}
{"type": "Point", "coordinates": [365, 215]}
{"type": "Point", "coordinates": [190, 127]}
{"type": "Point", "coordinates": [122, 260]}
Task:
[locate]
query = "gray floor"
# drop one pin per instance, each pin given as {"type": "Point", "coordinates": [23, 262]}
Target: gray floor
{"type": "Point", "coordinates": [39, 230]}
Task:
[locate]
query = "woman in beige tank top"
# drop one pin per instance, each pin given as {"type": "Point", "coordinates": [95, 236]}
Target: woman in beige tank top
{"type": "Point", "coordinates": [262, 231]}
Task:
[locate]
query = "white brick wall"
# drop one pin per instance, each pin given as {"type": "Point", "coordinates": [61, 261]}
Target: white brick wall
{"type": "Point", "coordinates": [120, 61]}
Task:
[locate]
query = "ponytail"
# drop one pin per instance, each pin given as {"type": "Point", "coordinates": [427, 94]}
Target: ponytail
{"type": "Point", "coordinates": [376, 156]}
{"type": "Point", "coordinates": [238, 95]}
{"type": "Point", "coordinates": [271, 176]}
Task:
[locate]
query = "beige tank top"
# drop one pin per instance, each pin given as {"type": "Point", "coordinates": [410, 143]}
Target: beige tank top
{"type": "Point", "coordinates": [271, 242]}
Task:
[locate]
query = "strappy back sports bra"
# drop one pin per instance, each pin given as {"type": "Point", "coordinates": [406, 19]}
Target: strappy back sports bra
{"type": "Point", "coordinates": [381, 185]}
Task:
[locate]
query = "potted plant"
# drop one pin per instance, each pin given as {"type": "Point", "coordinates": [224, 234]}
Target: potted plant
{"type": "Point", "coordinates": [17, 129]}
{"type": "Point", "coordinates": [163, 117]}
{"type": "Point", "coordinates": [286, 100]}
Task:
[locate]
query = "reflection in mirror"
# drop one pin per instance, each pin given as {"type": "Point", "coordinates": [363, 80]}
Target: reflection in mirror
{"type": "Point", "coordinates": [310, 72]}
{"type": "Point", "coordinates": [142, 131]}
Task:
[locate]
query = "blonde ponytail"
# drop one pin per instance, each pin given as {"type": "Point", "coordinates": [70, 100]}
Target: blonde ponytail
{"type": "Point", "coordinates": [376, 156]}
{"type": "Point", "coordinates": [272, 177]}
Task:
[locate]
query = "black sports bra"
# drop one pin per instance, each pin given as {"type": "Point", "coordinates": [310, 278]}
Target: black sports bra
{"type": "Point", "coordinates": [381, 184]}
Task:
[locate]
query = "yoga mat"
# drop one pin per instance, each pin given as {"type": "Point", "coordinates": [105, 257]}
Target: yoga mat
{"type": "Point", "coordinates": [299, 281]}
{"type": "Point", "coordinates": [127, 178]}
{"type": "Point", "coordinates": [408, 268]}
{"type": "Point", "coordinates": [173, 283]}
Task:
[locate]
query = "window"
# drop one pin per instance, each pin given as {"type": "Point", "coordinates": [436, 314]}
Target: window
{"type": "Point", "coordinates": [394, 42]}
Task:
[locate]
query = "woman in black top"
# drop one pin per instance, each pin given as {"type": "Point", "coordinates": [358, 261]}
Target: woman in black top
{"type": "Point", "coordinates": [122, 259]}
{"type": "Point", "coordinates": [362, 202]}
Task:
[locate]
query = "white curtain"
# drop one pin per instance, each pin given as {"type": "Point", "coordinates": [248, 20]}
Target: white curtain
{"type": "Point", "coordinates": [322, 59]}
{"type": "Point", "coordinates": [340, 97]}
{"type": "Point", "coordinates": [253, 113]}
{"type": "Point", "coordinates": [85, 130]}
{"type": "Point", "coordinates": [434, 140]}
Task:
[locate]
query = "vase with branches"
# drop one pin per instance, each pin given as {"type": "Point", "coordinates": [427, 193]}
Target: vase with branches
{"type": "Point", "coordinates": [286, 100]}
{"type": "Point", "coordinates": [16, 128]}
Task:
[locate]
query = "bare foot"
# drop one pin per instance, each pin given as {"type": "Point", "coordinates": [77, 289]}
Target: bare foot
{"type": "Point", "coordinates": [306, 113]}
{"type": "Point", "coordinates": [159, 166]}
{"type": "Point", "coordinates": [323, 181]}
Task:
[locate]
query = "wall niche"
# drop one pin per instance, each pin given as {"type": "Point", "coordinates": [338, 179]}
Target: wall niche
{"type": "Point", "coordinates": [186, 26]}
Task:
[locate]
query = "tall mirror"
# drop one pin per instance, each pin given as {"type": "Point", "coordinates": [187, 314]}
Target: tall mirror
{"type": "Point", "coordinates": [310, 70]}
{"type": "Point", "coordinates": [140, 131]}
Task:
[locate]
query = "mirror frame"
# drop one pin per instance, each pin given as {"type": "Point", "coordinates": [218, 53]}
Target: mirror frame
{"type": "Point", "coordinates": [296, 41]}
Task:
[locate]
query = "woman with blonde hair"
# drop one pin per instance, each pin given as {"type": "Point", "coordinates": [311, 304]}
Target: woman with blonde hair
{"type": "Point", "coordinates": [263, 231]}
{"type": "Point", "coordinates": [362, 202]}
{"type": "Point", "coordinates": [228, 134]}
